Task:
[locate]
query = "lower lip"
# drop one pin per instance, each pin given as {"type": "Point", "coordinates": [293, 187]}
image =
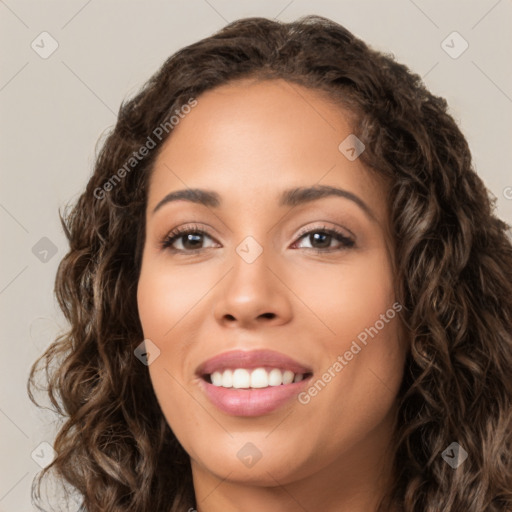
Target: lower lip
{"type": "Point", "coordinates": [252, 401]}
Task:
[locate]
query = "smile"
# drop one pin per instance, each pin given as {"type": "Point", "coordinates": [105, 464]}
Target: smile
{"type": "Point", "coordinates": [252, 383]}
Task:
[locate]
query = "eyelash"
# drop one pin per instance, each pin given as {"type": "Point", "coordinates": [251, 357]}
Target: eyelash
{"type": "Point", "coordinates": [170, 238]}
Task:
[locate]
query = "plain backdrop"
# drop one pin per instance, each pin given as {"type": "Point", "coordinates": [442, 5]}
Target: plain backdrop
{"type": "Point", "coordinates": [54, 108]}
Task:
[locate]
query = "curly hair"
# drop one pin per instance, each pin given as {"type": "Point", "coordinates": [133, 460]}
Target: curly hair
{"type": "Point", "coordinates": [453, 273]}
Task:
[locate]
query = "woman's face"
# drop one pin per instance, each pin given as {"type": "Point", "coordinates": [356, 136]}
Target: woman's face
{"type": "Point", "coordinates": [285, 264]}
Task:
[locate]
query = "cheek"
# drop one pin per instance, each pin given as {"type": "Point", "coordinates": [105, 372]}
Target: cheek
{"type": "Point", "coordinates": [166, 301]}
{"type": "Point", "coordinates": [348, 299]}
{"type": "Point", "coordinates": [362, 347]}
{"type": "Point", "coordinates": [166, 297]}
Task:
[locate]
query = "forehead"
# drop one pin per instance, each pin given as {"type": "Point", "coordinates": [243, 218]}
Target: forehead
{"type": "Point", "coordinates": [251, 139]}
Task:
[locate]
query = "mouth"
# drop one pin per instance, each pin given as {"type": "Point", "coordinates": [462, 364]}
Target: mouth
{"type": "Point", "coordinates": [258, 378]}
{"type": "Point", "coordinates": [252, 383]}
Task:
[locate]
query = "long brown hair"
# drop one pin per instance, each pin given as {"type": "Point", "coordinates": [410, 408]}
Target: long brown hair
{"type": "Point", "coordinates": [453, 269]}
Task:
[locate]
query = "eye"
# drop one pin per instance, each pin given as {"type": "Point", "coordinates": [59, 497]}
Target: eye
{"type": "Point", "coordinates": [320, 240]}
{"type": "Point", "coordinates": [185, 239]}
{"type": "Point", "coordinates": [191, 238]}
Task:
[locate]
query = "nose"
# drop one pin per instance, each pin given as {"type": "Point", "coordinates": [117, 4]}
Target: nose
{"type": "Point", "coordinates": [252, 295]}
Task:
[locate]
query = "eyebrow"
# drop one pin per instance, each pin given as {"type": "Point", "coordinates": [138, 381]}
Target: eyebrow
{"type": "Point", "coordinates": [291, 197]}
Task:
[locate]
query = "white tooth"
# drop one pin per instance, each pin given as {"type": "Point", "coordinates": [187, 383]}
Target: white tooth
{"type": "Point", "coordinates": [259, 378]}
{"type": "Point", "coordinates": [227, 379]}
{"type": "Point", "coordinates": [275, 377]}
{"type": "Point", "coordinates": [241, 378]}
{"type": "Point", "coordinates": [216, 378]}
{"type": "Point", "coordinates": [288, 377]}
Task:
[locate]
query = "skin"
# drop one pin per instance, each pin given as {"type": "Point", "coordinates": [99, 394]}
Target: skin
{"type": "Point", "coordinates": [248, 141]}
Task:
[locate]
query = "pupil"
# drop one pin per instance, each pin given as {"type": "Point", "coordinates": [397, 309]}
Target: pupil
{"type": "Point", "coordinates": [192, 238]}
{"type": "Point", "coordinates": [325, 236]}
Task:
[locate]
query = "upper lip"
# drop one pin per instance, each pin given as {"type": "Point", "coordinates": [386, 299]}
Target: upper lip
{"type": "Point", "coordinates": [250, 359]}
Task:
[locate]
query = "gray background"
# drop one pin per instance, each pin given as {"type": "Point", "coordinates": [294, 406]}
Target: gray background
{"type": "Point", "coordinates": [54, 110]}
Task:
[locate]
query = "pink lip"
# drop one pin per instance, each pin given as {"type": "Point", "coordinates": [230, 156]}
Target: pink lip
{"type": "Point", "coordinates": [251, 402]}
{"type": "Point", "coordinates": [250, 359]}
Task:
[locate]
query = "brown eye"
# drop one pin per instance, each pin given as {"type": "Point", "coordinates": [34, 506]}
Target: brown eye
{"type": "Point", "coordinates": [185, 240]}
{"type": "Point", "coordinates": [321, 240]}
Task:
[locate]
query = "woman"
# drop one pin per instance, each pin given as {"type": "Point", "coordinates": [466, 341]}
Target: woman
{"type": "Point", "coordinates": [287, 289]}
